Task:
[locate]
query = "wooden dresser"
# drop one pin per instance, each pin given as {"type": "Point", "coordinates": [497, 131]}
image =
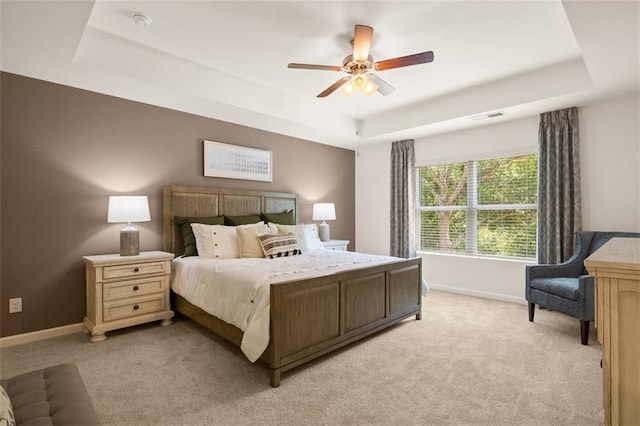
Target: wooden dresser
{"type": "Point", "coordinates": [616, 266]}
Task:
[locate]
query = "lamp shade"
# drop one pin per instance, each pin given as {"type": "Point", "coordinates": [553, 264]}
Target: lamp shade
{"type": "Point", "coordinates": [127, 209]}
{"type": "Point", "coordinates": [324, 211]}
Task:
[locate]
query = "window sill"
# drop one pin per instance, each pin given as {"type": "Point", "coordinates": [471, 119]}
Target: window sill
{"type": "Point", "coordinates": [527, 261]}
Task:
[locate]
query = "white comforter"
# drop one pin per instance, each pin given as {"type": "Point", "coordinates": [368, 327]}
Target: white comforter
{"type": "Point", "coordinates": [237, 290]}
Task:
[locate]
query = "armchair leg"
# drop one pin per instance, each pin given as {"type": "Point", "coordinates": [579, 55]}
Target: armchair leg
{"type": "Point", "coordinates": [584, 332]}
{"type": "Point", "coordinates": [532, 310]}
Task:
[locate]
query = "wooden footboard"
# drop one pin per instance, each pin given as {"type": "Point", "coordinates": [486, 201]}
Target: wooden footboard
{"type": "Point", "coordinates": [312, 317]}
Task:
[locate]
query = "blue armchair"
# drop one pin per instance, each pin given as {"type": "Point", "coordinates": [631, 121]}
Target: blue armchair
{"type": "Point", "coordinates": [567, 287]}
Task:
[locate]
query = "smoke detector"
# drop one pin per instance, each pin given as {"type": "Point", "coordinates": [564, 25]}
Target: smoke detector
{"type": "Point", "coordinates": [141, 19]}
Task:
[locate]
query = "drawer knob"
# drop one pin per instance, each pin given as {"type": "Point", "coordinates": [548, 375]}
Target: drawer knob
{"type": "Point", "coordinates": [136, 270]}
{"type": "Point", "coordinates": [136, 288]}
{"type": "Point", "coordinates": [136, 307]}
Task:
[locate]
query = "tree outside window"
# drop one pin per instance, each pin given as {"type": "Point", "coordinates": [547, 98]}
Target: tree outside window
{"type": "Point", "coordinates": [485, 207]}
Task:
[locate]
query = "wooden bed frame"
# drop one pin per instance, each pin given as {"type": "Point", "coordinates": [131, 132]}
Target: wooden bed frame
{"type": "Point", "coordinates": [309, 317]}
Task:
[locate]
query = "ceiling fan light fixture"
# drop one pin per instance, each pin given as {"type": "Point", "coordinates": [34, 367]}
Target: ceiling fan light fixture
{"type": "Point", "coordinates": [370, 88]}
{"type": "Point", "coordinates": [360, 67]}
{"type": "Point", "coordinates": [359, 80]}
{"type": "Point", "coordinates": [347, 88]}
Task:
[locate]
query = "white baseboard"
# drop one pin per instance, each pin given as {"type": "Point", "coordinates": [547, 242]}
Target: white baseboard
{"type": "Point", "coordinates": [34, 336]}
{"type": "Point", "coordinates": [477, 293]}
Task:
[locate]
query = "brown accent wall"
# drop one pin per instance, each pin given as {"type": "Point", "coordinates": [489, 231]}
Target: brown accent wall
{"type": "Point", "coordinates": [65, 150]}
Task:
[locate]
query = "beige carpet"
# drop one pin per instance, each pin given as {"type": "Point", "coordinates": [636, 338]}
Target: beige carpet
{"type": "Point", "coordinates": [469, 361]}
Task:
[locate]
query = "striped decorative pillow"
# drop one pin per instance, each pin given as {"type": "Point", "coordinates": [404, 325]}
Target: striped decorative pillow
{"type": "Point", "coordinates": [279, 245]}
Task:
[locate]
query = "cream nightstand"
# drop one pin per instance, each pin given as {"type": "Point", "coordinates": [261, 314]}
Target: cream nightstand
{"type": "Point", "coordinates": [336, 244]}
{"type": "Point", "coordinates": [126, 290]}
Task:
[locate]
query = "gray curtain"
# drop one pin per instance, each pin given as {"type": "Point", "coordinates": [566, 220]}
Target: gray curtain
{"type": "Point", "coordinates": [403, 232]}
{"type": "Point", "coordinates": [559, 202]}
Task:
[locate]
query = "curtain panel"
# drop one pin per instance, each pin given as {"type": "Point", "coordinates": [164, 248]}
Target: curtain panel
{"type": "Point", "coordinates": [559, 197]}
{"type": "Point", "coordinates": [403, 233]}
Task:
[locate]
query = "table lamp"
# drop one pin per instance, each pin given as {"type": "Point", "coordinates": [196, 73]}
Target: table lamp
{"type": "Point", "coordinates": [128, 209]}
{"type": "Point", "coordinates": [324, 211]}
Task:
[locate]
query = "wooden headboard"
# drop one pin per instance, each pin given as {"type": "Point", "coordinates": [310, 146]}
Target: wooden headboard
{"type": "Point", "coordinates": [202, 201]}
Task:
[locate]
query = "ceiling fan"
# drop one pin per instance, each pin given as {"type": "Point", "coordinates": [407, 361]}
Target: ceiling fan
{"type": "Point", "coordinates": [360, 65]}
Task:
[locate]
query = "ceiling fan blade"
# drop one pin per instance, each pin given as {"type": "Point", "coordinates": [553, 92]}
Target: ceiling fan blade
{"type": "Point", "coordinates": [335, 86]}
{"type": "Point", "coordinates": [383, 87]}
{"type": "Point", "coordinates": [405, 61]}
{"type": "Point", "coordinates": [362, 36]}
{"type": "Point", "coordinates": [315, 67]}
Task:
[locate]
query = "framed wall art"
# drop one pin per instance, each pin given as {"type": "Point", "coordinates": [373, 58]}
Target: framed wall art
{"type": "Point", "coordinates": [236, 162]}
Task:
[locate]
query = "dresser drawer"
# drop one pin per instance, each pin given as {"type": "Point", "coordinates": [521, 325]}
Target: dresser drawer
{"type": "Point", "coordinates": [131, 307]}
{"type": "Point", "coordinates": [134, 270]}
{"type": "Point", "coordinates": [133, 288]}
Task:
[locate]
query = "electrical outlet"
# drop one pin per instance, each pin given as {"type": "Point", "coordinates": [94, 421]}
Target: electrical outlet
{"type": "Point", "coordinates": [15, 305]}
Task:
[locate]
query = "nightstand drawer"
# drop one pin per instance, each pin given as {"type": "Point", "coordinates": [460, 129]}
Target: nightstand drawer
{"type": "Point", "coordinates": [336, 244]}
{"type": "Point", "coordinates": [133, 288]}
{"type": "Point", "coordinates": [135, 269]}
{"type": "Point", "coordinates": [132, 307]}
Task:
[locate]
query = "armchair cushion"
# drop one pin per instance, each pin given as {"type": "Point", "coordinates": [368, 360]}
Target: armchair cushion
{"type": "Point", "coordinates": [560, 286]}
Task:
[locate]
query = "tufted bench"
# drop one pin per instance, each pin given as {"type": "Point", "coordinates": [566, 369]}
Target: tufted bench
{"type": "Point", "coordinates": [51, 396]}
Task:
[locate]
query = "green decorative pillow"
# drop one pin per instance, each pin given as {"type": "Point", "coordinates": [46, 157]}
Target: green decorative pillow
{"type": "Point", "coordinates": [284, 218]}
{"type": "Point", "coordinates": [274, 246]}
{"type": "Point", "coordinates": [188, 239]}
{"type": "Point", "coordinates": [242, 220]}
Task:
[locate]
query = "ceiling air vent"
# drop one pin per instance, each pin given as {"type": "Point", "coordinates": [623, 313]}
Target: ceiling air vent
{"type": "Point", "coordinates": [489, 115]}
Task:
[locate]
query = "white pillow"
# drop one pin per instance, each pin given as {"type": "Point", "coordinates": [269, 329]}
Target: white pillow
{"type": "Point", "coordinates": [273, 228]}
{"type": "Point", "coordinates": [311, 237]}
{"type": "Point", "coordinates": [307, 235]}
{"type": "Point", "coordinates": [216, 241]}
{"type": "Point", "coordinates": [297, 231]}
{"type": "Point", "coordinates": [248, 242]}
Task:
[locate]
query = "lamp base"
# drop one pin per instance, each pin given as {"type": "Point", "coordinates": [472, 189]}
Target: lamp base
{"type": "Point", "coordinates": [323, 231]}
{"type": "Point", "coordinates": [129, 241]}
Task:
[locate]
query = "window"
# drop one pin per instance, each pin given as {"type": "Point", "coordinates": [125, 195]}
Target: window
{"type": "Point", "coordinates": [486, 207]}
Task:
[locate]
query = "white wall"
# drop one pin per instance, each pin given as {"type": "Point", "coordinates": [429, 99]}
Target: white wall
{"type": "Point", "coordinates": [373, 182]}
{"type": "Point", "coordinates": [609, 162]}
{"type": "Point", "coordinates": [610, 145]}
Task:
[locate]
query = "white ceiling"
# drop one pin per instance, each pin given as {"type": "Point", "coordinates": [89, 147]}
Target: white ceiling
{"type": "Point", "coordinates": [228, 60]}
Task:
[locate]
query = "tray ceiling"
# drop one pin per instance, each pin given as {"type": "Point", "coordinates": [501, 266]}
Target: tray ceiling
{"type": "Point", "coordinates": [228, 60]}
